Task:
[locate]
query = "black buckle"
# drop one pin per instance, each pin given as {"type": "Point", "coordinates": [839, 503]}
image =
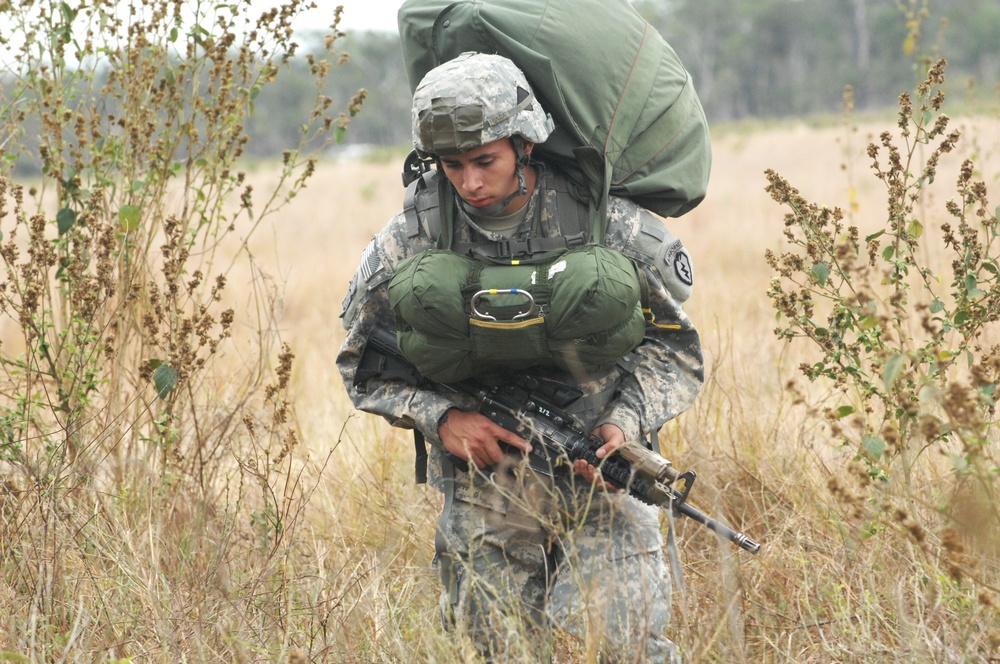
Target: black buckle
{"type": "Point", "coordinates": [414, 167]}
{"type": "Point", "coordinates": [503, 249]}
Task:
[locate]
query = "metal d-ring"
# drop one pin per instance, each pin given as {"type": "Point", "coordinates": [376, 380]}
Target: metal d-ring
{"type": "Point", "coordinates": [503, 291]}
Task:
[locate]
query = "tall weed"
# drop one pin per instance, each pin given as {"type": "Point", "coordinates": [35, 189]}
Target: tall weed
{"type": "Point", "coordinates": [133, 425]}
{"type": "Point", "coordinates": [901, 321]}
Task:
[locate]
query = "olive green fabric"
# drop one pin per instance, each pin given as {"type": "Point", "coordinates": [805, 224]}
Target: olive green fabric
{"type": "Point", "coordinates": [577, 309]}
{"type": "Point", "coordinates": [628, 120]}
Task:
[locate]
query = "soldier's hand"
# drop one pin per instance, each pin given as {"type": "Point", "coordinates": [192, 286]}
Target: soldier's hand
{"type": "Point", "coordinates": [473, 437]}
{"type": "Point", "coordinates": [613, 438]}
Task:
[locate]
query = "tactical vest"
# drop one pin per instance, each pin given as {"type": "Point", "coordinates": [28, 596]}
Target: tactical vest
{"type": "Point", "coordinates": [468, 308]}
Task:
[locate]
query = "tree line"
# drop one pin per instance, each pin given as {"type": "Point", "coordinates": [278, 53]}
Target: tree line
{"type": "Point", "coordinates": [747, 58]}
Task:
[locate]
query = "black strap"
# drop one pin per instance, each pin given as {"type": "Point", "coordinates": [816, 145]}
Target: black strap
{"type": "Point", "coordinates": [508, 249]}
{"type": "Point", "coordinates": [420, 457]}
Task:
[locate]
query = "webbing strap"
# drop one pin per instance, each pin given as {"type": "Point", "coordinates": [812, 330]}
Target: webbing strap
{"type": "Point", "coordinates": [420, 456]}
{"type": "Point", "coordinates": [441, 548]}
{"type": "Point", "coordinates": [419, 197]}
{"type": "Point", "coordinates": [505, 249]}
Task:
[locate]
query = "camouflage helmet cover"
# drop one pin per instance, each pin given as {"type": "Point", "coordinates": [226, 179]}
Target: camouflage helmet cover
{"type": "Point", "coordinates": [472, 100]}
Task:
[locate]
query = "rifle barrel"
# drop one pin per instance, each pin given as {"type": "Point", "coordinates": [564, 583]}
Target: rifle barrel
{"type": "Point", "coordinates": [720, 529]}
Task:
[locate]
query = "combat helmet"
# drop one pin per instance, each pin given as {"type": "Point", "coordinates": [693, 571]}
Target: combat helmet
{"type": "Point", "coordinates": [472, 100]}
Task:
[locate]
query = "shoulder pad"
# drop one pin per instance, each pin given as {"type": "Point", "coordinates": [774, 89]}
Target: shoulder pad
{"type": "Point", "coordinates": [648, 241]}
{"type": "Point", "coordinates": [379, 259]}
{"type": "Point", "coordinates": [421, 205]}
{"type": "Point", "coordinates": [370, 273]}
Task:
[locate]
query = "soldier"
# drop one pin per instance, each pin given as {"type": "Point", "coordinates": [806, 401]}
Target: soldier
{"type": "Point", "coordinates": [519, 553]}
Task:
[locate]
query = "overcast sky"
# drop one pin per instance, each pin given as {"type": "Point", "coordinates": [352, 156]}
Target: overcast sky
{"type": "Point", "coordinates": [369, 14]}
{"type": "Point", "coordinates": [358, 14]}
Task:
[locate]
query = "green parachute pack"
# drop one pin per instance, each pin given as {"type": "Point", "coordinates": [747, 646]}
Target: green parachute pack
{"type": "Point", "coordinates": [577, 310]}
{"type": "Point", "coordinates": [628, 120]}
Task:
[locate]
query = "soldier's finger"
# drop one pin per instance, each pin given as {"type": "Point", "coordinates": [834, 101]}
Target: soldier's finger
{"type": "Point", "coordinates": [604, 450]}
{"type": "Point", "coordinates": [514, 440]}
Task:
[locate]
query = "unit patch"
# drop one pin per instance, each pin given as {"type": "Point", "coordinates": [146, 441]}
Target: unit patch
{"type": "Point", "coordinates": [677, 258]}
{"type": "Point", "coordinates": [682, 266]}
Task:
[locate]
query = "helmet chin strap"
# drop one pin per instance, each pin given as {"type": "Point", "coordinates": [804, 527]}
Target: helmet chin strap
{"type": "Point", "coordinates": [522, 184]}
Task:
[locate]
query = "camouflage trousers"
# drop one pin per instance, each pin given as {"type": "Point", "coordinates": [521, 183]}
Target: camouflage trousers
{"type": "Point", "coordinates": [520, 555]}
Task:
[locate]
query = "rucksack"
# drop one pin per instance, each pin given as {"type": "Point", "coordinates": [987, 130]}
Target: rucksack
{"type": "Point", "coordinates": [628, 120]}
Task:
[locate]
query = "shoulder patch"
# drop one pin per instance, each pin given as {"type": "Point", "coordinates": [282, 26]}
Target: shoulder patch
{"type": "Point", "coordinates": [679, 262]}
{"type": "Point", "coordinates": [371, 261]}
{"type": "Point", "coordinates": [369, 266]}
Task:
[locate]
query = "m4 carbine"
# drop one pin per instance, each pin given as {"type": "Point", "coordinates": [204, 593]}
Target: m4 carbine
{"type": "Point", "coordinates": [532, 409]}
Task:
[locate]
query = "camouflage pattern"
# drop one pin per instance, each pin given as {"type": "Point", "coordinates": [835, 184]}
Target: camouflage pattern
{"type": "Point", "coordinates": [553, 553]}
{"type": "Point", "coordinates": [560, 553]}
{"type": "Point", "coordinates": [473, 100]}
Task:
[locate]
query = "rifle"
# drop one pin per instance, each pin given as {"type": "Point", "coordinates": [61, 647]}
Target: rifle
{"type": "Point", "coordinates": [532, 408]}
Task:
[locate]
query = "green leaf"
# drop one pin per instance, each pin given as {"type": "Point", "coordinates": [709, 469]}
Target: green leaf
{"type": "Point", "coordinates": [339, 134]}
{"type": "Point", "coordinates": [844, 411]}
{"type": "Point", "coordinates": [874, 446]}
{"type": "Point", "coordinates": [821, 271]}
{"type": "Point", "coordinates": [889, 252]}
{"type": "Point", "coordinates": [65, 219]}
{"type": "Point", "coordinates": [892, 369]}
{"type": "Point", "coordinates": [972, 286]}
{"type": "Point", "coordinates": [915, 229]}
{"type": "Point", "coordinates": [937, 306]}
{"type": "Point", "coordinates": [165, 379]}
{"type": "Point", "coordinates": [874, 236]}
{"type": "Point", "coordinates": [128, 216]}
{"type": "Point", "coordinates": [868, 323]}
{"type": "Point", "coordinates": [13, 657]}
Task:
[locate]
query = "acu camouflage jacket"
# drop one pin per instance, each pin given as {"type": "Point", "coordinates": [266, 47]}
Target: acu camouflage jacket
{"type": "Point", "coordinates": [658, 381]}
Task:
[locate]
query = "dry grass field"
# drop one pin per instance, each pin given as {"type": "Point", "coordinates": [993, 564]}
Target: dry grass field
{"type": "Point", "coordinates": [350, 580]}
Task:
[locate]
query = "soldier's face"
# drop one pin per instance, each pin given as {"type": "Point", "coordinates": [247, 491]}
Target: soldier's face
{"type": "Point", "coordinates": [486, 175]}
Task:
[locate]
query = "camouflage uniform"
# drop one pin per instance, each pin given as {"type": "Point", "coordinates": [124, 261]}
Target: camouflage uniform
{"type": "Point", "coordinates": [521, 552]}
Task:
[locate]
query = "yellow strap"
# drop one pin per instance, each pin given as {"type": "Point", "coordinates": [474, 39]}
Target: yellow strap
{"type": "Point", "coordinates": [498, 325]}
{"type": "Point", "coordinates": [651, 319]}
